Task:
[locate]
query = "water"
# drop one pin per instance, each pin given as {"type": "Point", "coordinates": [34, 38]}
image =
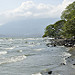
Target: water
{"type": "Point", "coordinates": [28, 56]}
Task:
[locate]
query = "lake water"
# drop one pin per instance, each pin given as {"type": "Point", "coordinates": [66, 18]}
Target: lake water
{"type": "Point", "coordinates": [28, 56]}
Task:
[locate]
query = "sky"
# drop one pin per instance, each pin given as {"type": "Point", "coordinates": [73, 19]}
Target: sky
{"type": "Point", "coordinates": [12, 4]}
{"type": "Point", "coordinates": [14, 10]}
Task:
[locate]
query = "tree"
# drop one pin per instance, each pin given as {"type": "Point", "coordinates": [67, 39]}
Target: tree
{"type": "Point", "coordinates": [69, 12]}
{"type": "Point", "coordinates": [49, 31]}
{"type": "Point", "coordinates": [69, 28]}
{"type": "Point", "coordinates": [53, 30]}
{"type": "Point", "coordinates": [69, 15]}
{"type": "Point", "coordinates": [58, 27]}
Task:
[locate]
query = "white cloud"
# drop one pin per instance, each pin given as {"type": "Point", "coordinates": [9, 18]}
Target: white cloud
{"type": "Point", "coordinates": [27, 5]}
{"type": "Point", "coordinates": [29, 9]}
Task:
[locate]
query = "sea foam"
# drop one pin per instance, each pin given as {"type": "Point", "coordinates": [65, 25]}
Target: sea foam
{"type": "Point", "coordinates": [10, 48]}
{"type": "Point", "coordinates": [37, 74]}
{"type": "Point", "coordinates": [17, 58]}
{"type": "Point", "coordinates": [12, 59]}
{"type": "Point", "coordinates": [3, 52]}
{"type": "Point", "coordinates": [65, 54]}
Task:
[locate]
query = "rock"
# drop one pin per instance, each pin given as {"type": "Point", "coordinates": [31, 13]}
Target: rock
{"type": "Point", "coordinates": [50, 72]}
{"type": "Point", "coordinates": [68, 45]}
{"type": "Point", "coordinates": [62, 63]}
{"type": "Point", "coordinates": [54, 45]}
{"type": "Point", "coordinates": [48, 44]}
{"type": "Point", "coordinates": [73, 64]}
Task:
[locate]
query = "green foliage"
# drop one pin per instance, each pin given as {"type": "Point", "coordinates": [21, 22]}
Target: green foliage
{"type": "Point", "coordinates": [69, 28]}
{"type": "Point", "coordinates": [58, 27]}
{"type": "Point", "coordinates": [49, 31]}
{"type": "Point", "coordinates": [53, 30]}
{"type": "Point", "coordinates": [69, 12]}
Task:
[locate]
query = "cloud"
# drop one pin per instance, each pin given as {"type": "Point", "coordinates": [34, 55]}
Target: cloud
{"type": "Point", "coordinates": [29, 9]}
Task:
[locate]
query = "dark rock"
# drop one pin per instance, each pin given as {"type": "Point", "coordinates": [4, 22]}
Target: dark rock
{"type": "Point", "coordinates": [62, 63]}
{"type": "Point", "coordinates": [68, 45]}
{"type": "Point", "coordinates": [50, 72]}
{"type": "Point", "coordinates": [73, 64]}
{"type": "Point", "coordinates": [54, 45]}
{"type": "Point", "coordinates": [48, 44]}
{"type": "Point", "coordinates": [68, 57]}
{"type": "Point", "coordinates": [69, 42]}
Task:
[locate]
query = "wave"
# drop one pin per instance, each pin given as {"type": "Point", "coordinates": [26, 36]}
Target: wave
{"type": "Point", "coordinates": [13, 59]}
{"type": "Point", "coordinates": [29, 39]}
{"type": "Point", "coordinates": [65, 54]}
{"type": "Point", "coordinates": [31, 45]}
{"type": "Point", "coordinates": [3, 52]}
{"type": "Point", "coordinates": [37, 74]}
{"type": "Point", "coordinates": [33, 39]}
{"type": "Point", "coordinates": [10, 39]}
{"type": "Point", "coordinates": [9, 48]}
{"type": "Point", "coordinates": [39, 49]}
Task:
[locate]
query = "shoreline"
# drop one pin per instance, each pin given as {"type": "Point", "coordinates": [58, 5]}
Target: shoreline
{"type": "Point", "coordinates": [71, 59]}
{"type": "Point", "coordinates": [67, 68]}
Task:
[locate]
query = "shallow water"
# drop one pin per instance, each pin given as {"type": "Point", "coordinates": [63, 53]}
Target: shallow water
{"type": "Point", "coordinates": [27, 56]}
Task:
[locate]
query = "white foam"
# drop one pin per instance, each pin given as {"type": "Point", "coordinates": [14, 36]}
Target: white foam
{"type": "Point", "coordinates": [39, 49]}
{"type": "Point", "coordinates": [37, 74]}
{"type": "Point", "coordinates": [18, 58]}
{"type": "Point", "coordinates": [66, 54]}
{"type": "Point", "coordinates": [33, 39]}
{"type": "Point", "coordinates": [3, 52]}
{"type": "Point", "coordinates": [64, 60]}
{"type": "Point", "coordinates": [10, 48]}
{"type": "Point", "coordinates": [29, 39]}
{"type": "Point", "coordinates": [12, 59]}
{"type": "Point", "coordinates": [38, 44]}
{"type": "Point", "coordinates": [10, 39]}
{"type": "Point", "coordinates": [31, 45]}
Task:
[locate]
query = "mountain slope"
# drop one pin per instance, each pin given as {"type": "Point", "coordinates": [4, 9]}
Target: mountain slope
{"type": "Point", "coordinates": [25, 27]}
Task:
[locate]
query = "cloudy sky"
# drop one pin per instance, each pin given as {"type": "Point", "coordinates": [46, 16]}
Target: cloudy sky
{"type": "Point", "coordinates": [11, 10]}
{"type": "Point", "coordinates": [15, 9]}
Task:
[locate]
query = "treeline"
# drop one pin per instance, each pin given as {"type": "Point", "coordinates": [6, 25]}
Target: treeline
{"type": "Point", "coordinates": [64, 28]}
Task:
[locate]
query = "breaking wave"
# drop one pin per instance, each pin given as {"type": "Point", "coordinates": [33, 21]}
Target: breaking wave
{"type": "Point", "coordinates": [3, 52]}
{"type": "Point", "coordinates": [10, 48]}
{"type": "Point", "coordinates": [37, 74]}
{"type": "Point", "coordinates": [12, 59]}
